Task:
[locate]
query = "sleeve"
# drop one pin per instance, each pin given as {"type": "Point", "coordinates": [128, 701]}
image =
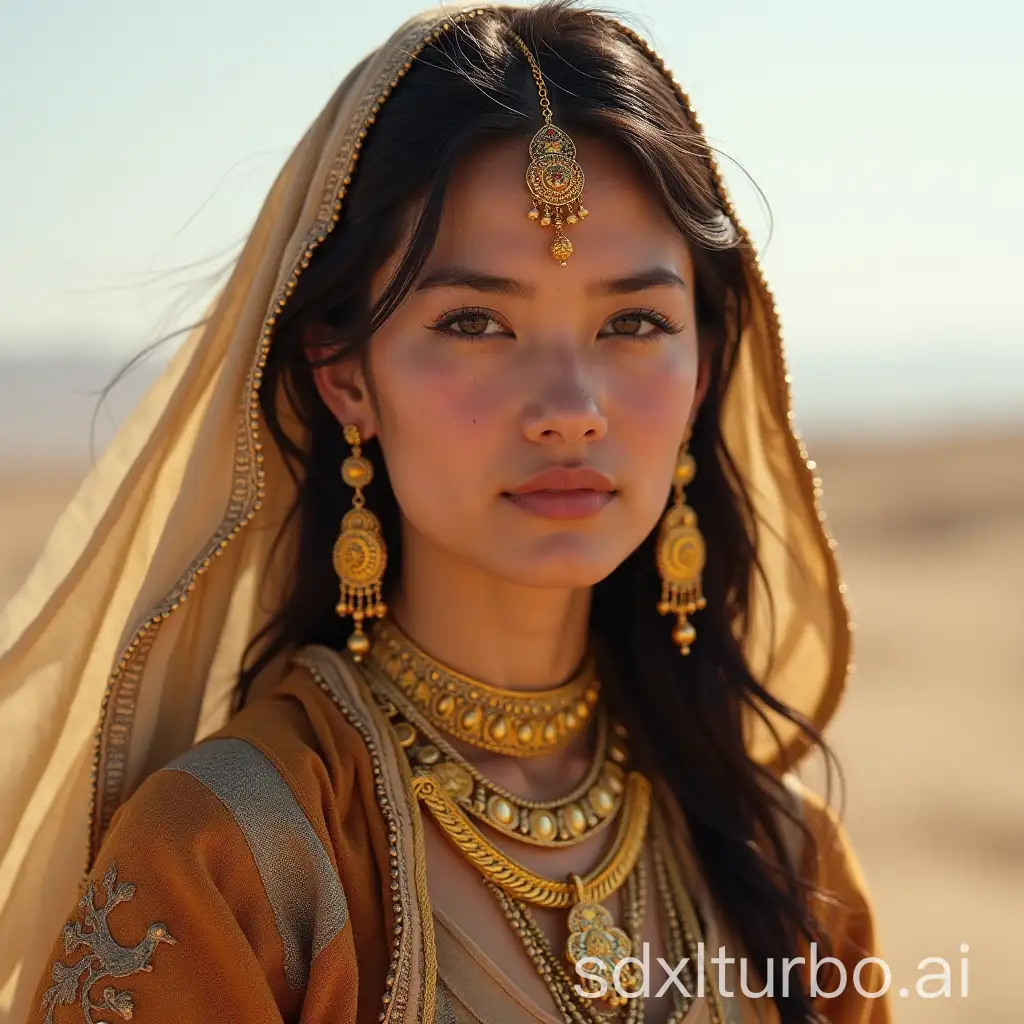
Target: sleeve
{"type": "Point", "coordinates": [856, 992]}
{"type": "Point", "coordinates": [200, 904]}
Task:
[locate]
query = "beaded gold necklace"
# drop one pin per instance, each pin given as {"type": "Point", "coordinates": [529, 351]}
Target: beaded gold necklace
{"type": "Point", "coordinates": [492, 718]}
{"type": "Point", "coordinates": [587, 809]}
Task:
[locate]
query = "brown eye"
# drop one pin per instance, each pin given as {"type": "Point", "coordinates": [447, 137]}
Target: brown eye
{"type": "Point", "coordinates": [469, 323]}
{"type": "Point", "coordinates": [473, 323]}
{"type": "Point", "coordinates": [644, 324]}
{"type": "Point", "coordinates": [630, 324]}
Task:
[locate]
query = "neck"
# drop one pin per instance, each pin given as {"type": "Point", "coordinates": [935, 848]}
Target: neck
{"type": "Point", "coordinates": [498, 632]}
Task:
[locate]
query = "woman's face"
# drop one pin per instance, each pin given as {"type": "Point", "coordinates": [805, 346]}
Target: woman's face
{"type": "Point", "coordinates": [530, 414]}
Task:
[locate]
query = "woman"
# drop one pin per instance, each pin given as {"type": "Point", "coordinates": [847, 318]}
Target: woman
{"type": "Point", "coordinates": [531, 710]}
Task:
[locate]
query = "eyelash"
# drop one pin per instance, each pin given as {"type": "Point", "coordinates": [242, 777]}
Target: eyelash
{"type": "Point", "coordinates": [658, 320]}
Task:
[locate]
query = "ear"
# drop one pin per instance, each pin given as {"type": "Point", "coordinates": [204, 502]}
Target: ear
{"type": "Point", "coordinates": [342, 385]}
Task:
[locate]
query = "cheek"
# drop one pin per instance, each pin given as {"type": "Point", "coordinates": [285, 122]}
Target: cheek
{"type": "Point", "coordinates": [653, 400]}
{"type": "Point", "coordinates": [441, 422]}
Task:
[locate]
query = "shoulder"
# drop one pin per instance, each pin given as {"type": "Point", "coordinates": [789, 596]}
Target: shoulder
{"type": "Point", "coordinates": [236, 844]}
{"type": "Point", "coordinates": [284, 766]}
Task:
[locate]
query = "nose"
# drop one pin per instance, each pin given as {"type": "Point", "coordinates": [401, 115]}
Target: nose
{"type": "Point", "coordinates": [568, 413]}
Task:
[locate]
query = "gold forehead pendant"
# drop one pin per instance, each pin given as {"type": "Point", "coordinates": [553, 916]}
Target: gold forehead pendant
{"type": "Point", "coordinates": [554, 178]}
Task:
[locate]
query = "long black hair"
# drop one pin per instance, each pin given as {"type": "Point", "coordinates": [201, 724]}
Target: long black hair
{"type": "Point", "coordinates": [470, 86]}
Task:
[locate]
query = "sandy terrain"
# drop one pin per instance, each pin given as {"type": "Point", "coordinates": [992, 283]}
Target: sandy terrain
{"type": "Point", "coordinates": [932, 542]}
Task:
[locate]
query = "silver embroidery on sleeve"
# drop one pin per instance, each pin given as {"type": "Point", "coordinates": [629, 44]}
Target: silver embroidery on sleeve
{"type": "Point", "coordinates": [106, 958]}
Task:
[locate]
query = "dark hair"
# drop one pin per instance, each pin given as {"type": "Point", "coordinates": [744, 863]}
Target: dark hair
{"type": "Point", "coordinates": [469, 86]}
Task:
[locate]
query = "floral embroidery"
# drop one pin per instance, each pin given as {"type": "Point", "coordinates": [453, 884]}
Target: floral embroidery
{"type": "Point", "coordinates": [106, 959]}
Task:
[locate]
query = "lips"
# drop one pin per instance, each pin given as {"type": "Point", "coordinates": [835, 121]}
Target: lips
{"type": "Point", "coordinates": [563, 492]}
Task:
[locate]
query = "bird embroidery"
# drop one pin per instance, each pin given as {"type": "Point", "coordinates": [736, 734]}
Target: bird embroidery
{"type": "Point", "coordinates": [106, 959]}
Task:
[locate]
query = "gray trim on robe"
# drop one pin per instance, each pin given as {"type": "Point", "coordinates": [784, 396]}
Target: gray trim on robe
{"type": "Point", "coordinates": [302, 886]}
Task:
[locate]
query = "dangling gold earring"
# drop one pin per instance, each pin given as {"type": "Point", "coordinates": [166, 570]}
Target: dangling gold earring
{"type": "Point", "coordinates": [681, 554]}
{"type": "Point", "coordinates": [360, 556]}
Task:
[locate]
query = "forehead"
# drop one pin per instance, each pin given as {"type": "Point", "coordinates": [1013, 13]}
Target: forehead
{"type": "Point", "coordinates": [485, 223]}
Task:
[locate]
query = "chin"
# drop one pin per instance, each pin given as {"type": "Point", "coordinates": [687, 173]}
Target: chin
{"type": "Point", "coordinates": [563, 561]}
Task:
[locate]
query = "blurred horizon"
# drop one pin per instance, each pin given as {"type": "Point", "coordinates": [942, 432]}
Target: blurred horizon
{"type": "Point", "coordinates": [143, 143]}
{"type": "Point", "coordinates": [48, 401]}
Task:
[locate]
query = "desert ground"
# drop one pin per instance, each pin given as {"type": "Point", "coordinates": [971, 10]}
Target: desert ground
{"type": "Point", "coordinates": [931, 537]}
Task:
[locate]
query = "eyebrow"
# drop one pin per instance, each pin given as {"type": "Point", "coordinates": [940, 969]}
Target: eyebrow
{"type": "Point", "coordinates": [464, 277]}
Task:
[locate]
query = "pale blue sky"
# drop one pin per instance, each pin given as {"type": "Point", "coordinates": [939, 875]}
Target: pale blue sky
{"type": "Point", "coordinates": [886, 135]}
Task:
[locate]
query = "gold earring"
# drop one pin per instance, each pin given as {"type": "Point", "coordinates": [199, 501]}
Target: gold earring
{"type": "Point", "coordinates": [360, 556]}
{"type": "Point", "coordinates": [681, 555]}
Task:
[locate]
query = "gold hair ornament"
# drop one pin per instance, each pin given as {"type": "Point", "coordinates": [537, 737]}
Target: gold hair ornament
{"type": "Point", "coordinates": [360, 556]}
{"type": "Point", "coordinates": [554, 178]}
{"type": "Point", "coordinates": [681, 555]}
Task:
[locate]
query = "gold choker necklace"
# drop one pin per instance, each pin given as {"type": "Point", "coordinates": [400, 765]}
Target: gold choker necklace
{"type": "Point", "coordinates": [516, 723]}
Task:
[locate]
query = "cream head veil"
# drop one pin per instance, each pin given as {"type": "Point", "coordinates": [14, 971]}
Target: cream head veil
{"type": "Point", "coordinates": [122, 648]}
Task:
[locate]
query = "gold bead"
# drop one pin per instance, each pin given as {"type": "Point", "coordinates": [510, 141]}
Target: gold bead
{"type": "Point", "coordinates": [601, 800]}
{"type": "Point", "coordinates": [550, 734]}
{"type": "Point", "coordinates": [545, 221]}
{"type": "Point", "coordinates": [684, 634]}
{"type": "Point", "coordinates": [358, 645]}
{"type": "Point", "coordinates": [561, 249]}
{"type": "Point", "coordinates": [428, 754]}
{"type": "Point", "coordinates": [542, 825]}
{"type": "Point", "coordinates": [471, 719]}
{"type": "Point", "coordinates": [500, 811]}
{"type": "Point", "coordinates": [533, 214]}
{"type": "Point", "coordinates": [445, 705]}
{"type": "Point", "coordinates": [685, 469]}
{"type": "Point", "coordinates": [524, 734]}
{"type": "Point", "coordinates": [406, 734]}
{"type": "Point", "coordinates": [356, 471]}
{"type": "Point", "coordinates": [583, 213]}
{"type": "Point", "coordinates": [575, 820]}
{"type": "Point", "coordinates": [498, 728]}
{"type": "Point", "coordinates": [613, 778]}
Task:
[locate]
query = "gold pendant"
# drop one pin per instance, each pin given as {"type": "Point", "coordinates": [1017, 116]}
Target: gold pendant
{"type": "Point", "coordinates": [593, 935]}
{"type": "Point", "coordinates": [555, 180]}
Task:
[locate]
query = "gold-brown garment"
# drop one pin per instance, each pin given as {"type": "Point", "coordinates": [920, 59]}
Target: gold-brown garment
{"type": "Point", "coordinates": [121, 649]}
{"type": "Point", "coordinates": [510, 722]}
{"type": "Point", "coordinates": [320, 908]}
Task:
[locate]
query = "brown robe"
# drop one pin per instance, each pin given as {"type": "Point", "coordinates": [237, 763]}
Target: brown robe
{"type": "Point", "coordinates": [276, 872]}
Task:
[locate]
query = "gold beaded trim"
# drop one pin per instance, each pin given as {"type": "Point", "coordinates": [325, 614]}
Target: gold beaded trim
{"type": "Point", "coordinates": [498, 720]}
{"type": "Point", "coordinates": [395, 986]}
{"type": "Point", "coordinates": [586, 810]}
{"type": "Point", "coordinates": [117, 709]}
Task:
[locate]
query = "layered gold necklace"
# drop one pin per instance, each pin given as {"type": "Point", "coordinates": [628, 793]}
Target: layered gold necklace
{"type": "Point", "coordinates": [430, 705]}
{"type": "Point", "coordinates": [587, 809]}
